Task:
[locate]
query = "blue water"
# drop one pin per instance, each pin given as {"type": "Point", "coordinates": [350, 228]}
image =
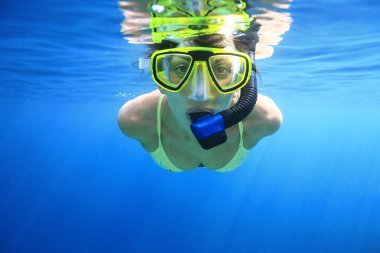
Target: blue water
{"type": "Point", "coordinates": [71, 182]}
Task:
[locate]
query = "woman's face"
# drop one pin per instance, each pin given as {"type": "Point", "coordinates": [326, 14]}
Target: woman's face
{"type": "Point", "coordinates": [199, 94]}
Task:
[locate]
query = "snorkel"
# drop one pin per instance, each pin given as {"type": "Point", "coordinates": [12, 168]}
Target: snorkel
{"type": "Point", "coordinates": [209, 129]}
{"type": "Point", "coordinates": [178, 20]}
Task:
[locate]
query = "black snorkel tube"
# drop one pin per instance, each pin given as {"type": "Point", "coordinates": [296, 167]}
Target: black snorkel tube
{"type": "Point", "coordinates": [210, 129]}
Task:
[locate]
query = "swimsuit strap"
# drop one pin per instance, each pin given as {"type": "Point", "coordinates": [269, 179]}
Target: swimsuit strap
{"type": "Point", "coordinates": [241, 131]}
{"type": "Point", "coordinates": [159, 119]}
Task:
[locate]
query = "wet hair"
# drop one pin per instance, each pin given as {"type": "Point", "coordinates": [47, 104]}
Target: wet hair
{"type": "Point", "coordinates": [246, 41]}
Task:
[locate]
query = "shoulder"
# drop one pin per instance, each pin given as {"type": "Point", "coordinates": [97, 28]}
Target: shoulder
{"type": "Point", "coordinates": [137, 117]}
{"type": "Point", "coordinates": [265, 119]}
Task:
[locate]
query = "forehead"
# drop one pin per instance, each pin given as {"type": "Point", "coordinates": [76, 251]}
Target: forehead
{"type": "Point", "coordinates": [215, 41]}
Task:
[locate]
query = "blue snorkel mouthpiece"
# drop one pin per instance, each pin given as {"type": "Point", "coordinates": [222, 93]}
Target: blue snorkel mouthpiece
{"type": "Point", "coordinates": [208, 129]}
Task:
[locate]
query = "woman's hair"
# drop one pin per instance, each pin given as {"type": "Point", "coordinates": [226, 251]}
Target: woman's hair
{"type": "Point", "coordinates": [244, 41]}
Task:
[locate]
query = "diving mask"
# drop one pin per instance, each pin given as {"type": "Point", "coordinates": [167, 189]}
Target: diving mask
{"type": "Point", "coordinates": [177, 20]}
{"type": "Point", "coordinates": [228, 70]}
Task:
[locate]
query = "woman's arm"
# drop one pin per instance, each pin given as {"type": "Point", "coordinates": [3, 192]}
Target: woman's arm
{"type": "Point", "coordinates": [265, 119]}
{"type": "Point", "coordinates": [137, 119]}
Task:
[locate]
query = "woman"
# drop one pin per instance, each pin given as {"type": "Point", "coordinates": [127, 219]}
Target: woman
{"type": "Point", "coordinates": [161, 120]}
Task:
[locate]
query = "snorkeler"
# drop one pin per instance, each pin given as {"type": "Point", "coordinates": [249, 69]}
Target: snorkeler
{"type": "Point", "coordinates": [206, 111]}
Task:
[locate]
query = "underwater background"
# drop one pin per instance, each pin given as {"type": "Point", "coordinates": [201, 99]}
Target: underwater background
{"type": "Point", "coordinates": [71, 182]}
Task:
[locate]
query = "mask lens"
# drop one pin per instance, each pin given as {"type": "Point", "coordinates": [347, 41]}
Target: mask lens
{"type": "Point", "coordinates": [172, 69]}
{"type": "Point", "coordinates": [229, 71]}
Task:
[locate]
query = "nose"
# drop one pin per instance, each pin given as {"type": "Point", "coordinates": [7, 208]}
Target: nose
{"type": "Point", "coordinates": [200, 86]}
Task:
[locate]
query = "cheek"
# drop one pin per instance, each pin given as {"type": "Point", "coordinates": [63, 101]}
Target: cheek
{"type": "Point", "coordinates": [162, 91]}
{"type": "Point", "coordinates": [223, 101]}
{"type": "Point", "coordinates": [224, 98]}
{"type": "Point", "coordinates": [177, 98]}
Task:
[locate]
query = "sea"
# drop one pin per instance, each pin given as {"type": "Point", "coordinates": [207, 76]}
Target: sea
{"type": "Point", "coordinates": [70, 181]}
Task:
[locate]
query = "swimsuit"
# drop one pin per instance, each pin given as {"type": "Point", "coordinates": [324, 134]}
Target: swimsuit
{"type": "Point", "coordinates": [160, 157]}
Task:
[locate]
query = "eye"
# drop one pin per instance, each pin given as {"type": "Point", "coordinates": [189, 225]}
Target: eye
{"type": "Point", "coordinates": [222, 71]}
{"type": "Point", "coordinates": [179, 65]}
{"type": "Point", "coordinates": [180, 69]}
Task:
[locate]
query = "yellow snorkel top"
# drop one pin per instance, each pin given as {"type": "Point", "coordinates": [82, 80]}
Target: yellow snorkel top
{"type": "Point", "coordinates": [178, 20]}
